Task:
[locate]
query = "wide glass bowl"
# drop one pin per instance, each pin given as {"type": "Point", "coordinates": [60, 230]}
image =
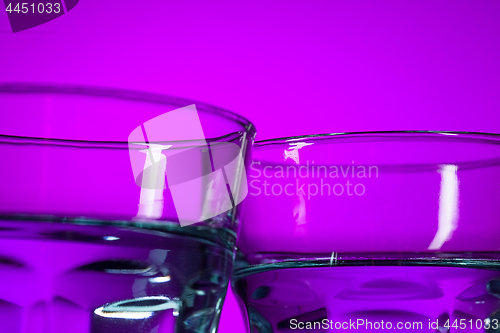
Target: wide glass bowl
{"type": "Point", "coordinates": [118, 209]}
{"type": "Point", "coordinates": [373, 229]}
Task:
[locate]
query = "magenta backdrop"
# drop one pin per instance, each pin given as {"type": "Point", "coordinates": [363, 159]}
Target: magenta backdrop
{"type": "Point", "coordinates": [291, 67]}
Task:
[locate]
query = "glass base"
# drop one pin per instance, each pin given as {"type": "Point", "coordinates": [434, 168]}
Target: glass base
{"type": "Point", "coordinates": [61, 277]}
{"type": "Point", "coordinates": [428, 298]}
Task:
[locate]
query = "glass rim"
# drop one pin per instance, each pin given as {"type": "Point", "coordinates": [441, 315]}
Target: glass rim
{"type": "Point", "coordinates": [480, 136]}
{"type": "Point", "coordinates": [119, 94]}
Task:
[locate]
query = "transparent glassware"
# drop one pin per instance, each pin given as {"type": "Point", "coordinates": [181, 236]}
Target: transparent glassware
{"type": "Point", "coordinates": [118, 210]}
{"type": "Point", "coordinates": [372, 231]}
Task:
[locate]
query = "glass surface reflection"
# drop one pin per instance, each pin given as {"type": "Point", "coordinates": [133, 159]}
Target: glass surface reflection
{"type": "Point", "coordinates": [371, 231]}
{"type": "Point", "coordinates": [87, 244]}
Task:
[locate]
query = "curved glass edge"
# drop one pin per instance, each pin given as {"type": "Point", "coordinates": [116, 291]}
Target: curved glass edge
{"type": "Point", "coordinates": [477, 260]}
{"type": "Point", "coordinates": [181, 144]}
{"type": "Point", "coordinates": [123, 94]}
{"type": "Point", "coordinates": [493, 137]}
{"type": "Point", "coordinates": [221, 236]}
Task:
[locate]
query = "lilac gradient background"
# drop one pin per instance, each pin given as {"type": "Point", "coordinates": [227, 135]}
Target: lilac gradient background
{"type": "Point", "coordinates": [290, 67]}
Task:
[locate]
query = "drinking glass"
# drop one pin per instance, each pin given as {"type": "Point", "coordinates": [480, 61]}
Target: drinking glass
{"type": "Point", "coordinates": [372, 231]}
{"type": "Point", "coordinates": [118, 210]}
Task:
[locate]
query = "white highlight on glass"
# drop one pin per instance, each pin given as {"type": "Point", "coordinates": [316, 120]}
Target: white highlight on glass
{"type": "Point", "coordinates": [132, 308]}
{"type": "Point", "coordinates": [333, 258]}
{"type": "Point", "coordinates": [122, 315]}
{"type": "Point", "coordinates": [153, 182]}
{"type": "Point", "coordinates": [299, 209]}
{"type": "Point", "coordinates": [293, 151]}
{"type": "Point", "coordinates": [448, 206]}
{"type": "Point", "coordinates": [111, 238]}
{"type": "Point", "coordinates": [160, 279]}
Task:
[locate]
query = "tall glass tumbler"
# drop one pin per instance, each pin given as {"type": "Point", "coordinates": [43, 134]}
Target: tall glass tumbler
{"type": "Point", "coordinates": [372, 231]}
{"type": "Point", "coordinates": [118, 210]}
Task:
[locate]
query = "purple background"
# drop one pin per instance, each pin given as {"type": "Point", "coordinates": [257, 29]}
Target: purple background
{"type": "Point", "coordinates": [291, 67]}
